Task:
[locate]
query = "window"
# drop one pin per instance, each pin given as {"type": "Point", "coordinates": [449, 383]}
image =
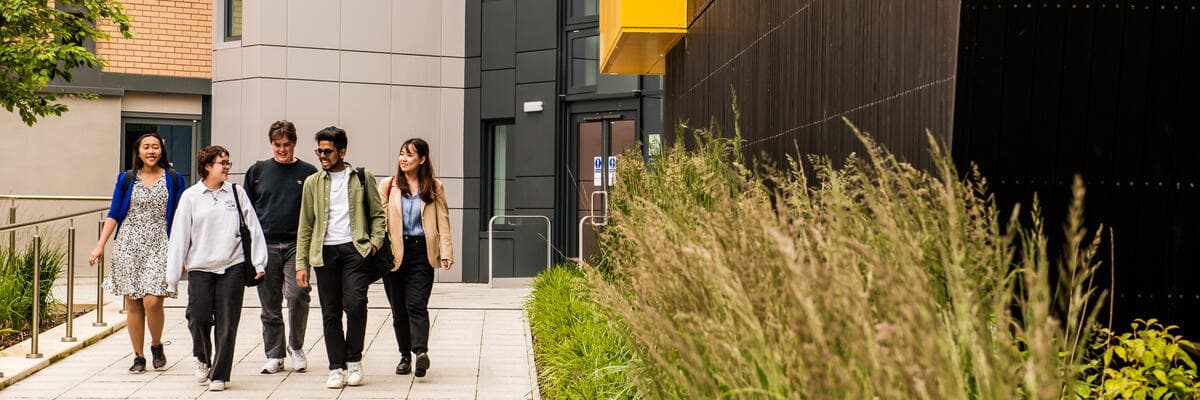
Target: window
{"type": "Point", "coordinates": [585, 63]}
{"type": "Point", "coordinates": [583, 8]}
{"type": "Point", "coordinates": [233, 20]}
{"type": "Point", "coordinates": [500, 136]}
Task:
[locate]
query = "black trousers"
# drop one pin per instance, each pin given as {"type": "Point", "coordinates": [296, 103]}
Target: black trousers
{"type": "Point", "coordinates": [215, 303]}
{"type": "Point", "coordinates": [342, 287]}
{"type": "Point", "coordinates": [408, 292]}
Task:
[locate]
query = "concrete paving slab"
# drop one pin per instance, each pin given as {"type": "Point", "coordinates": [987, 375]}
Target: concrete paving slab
{"type": "Point", "coordinates": [479, 343]}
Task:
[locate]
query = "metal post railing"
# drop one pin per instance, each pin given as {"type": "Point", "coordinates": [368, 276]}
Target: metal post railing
{"type": "Point", "coordinates": [100, 280]}
{"type": "Point", "coordinates": [490, 247]}
{"type": "Point", "coordinates": [12, 219]}
{"type": "Point", "coordinates": [70, 337]}
{"type": "Point", "coordinates": [603, 221]}
{"type": "Point", "coordinates": [37, 295]}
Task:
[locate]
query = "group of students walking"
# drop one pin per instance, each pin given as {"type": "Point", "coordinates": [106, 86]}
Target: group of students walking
{"type": "Point", "coordinates": [287, 219]}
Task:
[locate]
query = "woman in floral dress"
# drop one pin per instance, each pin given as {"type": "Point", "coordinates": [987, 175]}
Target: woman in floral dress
{"type": "Point", "coordinates": [143, 204]}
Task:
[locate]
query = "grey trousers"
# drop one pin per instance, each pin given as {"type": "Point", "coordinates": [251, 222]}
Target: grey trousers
{"type": "Point", "coordinates": [213, 311]}
{"type": "Point", "coordinates": [278, 284]}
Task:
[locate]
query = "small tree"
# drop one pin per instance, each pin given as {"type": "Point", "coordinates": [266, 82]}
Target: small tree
{"type": "Point", "coordinates": [40, 41]}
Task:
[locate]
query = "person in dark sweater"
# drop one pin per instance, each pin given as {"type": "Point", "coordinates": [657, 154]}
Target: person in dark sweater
{"type": "Point", "coordinates": [274, 186]}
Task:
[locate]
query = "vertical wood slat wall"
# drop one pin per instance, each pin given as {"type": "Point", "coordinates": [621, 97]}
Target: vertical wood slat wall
{"type": "Point", "coordinates": [1108, 90]}
{"type": "Point", "coordinates": [798, 66]}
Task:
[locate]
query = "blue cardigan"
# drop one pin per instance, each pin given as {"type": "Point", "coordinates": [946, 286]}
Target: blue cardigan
{"type": "Point", "coordinates": [120, 199]}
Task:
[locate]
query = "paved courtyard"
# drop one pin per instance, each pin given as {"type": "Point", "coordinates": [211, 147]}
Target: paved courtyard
{"type": "Point", "coordinates": [479, 346]}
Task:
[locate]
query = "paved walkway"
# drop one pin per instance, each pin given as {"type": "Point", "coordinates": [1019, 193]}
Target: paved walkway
{"type": "Point", "coordinates": [480, 348]}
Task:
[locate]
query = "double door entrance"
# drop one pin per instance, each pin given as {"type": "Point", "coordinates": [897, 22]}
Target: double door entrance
{"type": "Point", "coordinates": [603, 140]}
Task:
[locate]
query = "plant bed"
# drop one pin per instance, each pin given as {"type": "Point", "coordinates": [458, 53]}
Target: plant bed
{"type": "Point", "coordinates": [56, 316]}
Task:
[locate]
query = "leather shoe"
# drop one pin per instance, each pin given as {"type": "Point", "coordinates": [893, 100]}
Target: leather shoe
{"type": "Point", "coordinates": [404, 367]}
{"type": "Point", "coordinates": [422, 364]}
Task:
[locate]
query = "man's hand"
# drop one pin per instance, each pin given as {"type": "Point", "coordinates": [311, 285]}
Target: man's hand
{"type": "Point", "coordinates": [302, 278]}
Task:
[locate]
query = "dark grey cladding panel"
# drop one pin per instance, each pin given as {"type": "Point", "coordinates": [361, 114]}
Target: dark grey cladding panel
{"type": "Point", "coordinates": [536, 66]}
{"type": "Point", "coordinates": [498, 43]}
{"type": "Point", "coordinates": [474, 25]}
{"type": "Point", "coordinates": [470, 248]}
{"type": "Point", "coordinates": [652, 115]}
{"type": "Point", "coordinates": [536, 24]}
{"type": "Point", "coordinates": [535, 130]}
{"type": "Point", "coordinates": [472, 138]}
{"type": "Point", "coordinates": [471, 194]}
{"type": "Point", "coordinates": [496, 97]}
{"type": "Point", "coordinates": [533, 192]}
{"type": "Point", "coordinates": [471, 69]}
{"type": "Point", "coordinates": [530, 244]}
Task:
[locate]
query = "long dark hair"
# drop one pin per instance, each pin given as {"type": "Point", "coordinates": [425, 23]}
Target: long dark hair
{"type": "Point", "coordinates": [424, 171]}
{"type": "Point", "coordinates": [162, 156]}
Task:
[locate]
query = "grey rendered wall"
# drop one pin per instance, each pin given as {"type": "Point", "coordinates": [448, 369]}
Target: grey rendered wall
{"type": "Point", "coordinates": [512, 59]}
{"type": "Point", "coordinates": [384, 70]}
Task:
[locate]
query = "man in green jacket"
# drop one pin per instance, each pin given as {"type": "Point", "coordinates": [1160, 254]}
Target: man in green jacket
{"type": "Point", "coordinates": [334, 237]}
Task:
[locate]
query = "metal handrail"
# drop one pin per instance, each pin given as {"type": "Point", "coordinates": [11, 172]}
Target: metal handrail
{"type": "Point", "coordinates": [37, 268]}
{"type": "Point", "coordinates": [603, 221]}
{"type": "Point", "coordinates": [492, 221]}
{"type": "Point", "coordinates": [53, 197]}
{"type": "Point", "coordinates": [48, 220]}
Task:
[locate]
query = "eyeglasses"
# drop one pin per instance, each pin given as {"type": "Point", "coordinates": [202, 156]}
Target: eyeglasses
{"type": "Point", "coordinates": [321, 152]}
{"type": "Point", "coordinates": [225, 163]}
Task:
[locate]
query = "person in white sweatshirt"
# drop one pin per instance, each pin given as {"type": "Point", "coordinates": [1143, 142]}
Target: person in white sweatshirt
{"type": "Point", "coordinates": [206, 244]}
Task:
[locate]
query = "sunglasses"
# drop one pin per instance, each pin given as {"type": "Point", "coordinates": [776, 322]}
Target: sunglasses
{"type": "Point", "coordinates": [323, 152]}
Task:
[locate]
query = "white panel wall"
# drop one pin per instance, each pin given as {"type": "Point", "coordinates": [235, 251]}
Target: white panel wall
{"type": "Point", "coordinates": [383, 70]}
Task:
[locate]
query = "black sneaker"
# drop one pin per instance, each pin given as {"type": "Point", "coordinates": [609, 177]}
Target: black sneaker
{"type": "Point", "coordinates": [422, 364]}
{"type": "Point", "coordinates": [405, 366]}
{"type": "Point", "coordinates": [139, 365]}
{"type": "Point", "coordinates": [160, 359]}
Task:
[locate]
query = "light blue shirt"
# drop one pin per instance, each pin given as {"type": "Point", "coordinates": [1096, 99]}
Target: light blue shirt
{"type": "Point", "coordinates": [412, 215]}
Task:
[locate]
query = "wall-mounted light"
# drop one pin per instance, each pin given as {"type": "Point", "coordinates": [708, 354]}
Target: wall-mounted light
{"type": "Point", "coordinates": [533, 106]}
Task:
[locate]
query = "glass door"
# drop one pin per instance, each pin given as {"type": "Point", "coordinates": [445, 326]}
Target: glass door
{"type": "Point", "coordinates": [602, 141]}
{"type": "Point", "coordinates": [177, 136]}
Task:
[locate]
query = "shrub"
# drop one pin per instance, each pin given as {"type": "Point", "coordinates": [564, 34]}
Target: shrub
{"type": "Point", "coordinates": [16, 287]}
{"type": "Point", "coordinates": [1148, 362]}
{"type": "Point", "coordinates": [872, 279]}
{"type": "Point", "coordinates": [578, 354]}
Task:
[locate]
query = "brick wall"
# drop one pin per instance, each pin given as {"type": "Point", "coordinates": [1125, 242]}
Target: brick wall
{"type": "Point", "coordinates": [171, 38]}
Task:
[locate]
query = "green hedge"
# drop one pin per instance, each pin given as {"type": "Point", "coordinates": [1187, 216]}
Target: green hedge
{"type": "Point", "coordinates": [578, 353]}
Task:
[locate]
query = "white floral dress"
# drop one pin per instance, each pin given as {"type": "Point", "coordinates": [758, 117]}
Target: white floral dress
{"type": "Point", "coordinates": [139, 267]}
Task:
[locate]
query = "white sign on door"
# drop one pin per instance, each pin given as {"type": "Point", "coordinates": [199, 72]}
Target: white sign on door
{"type": "Point", "coordinates": [612, 170]}
{"type": "Point", "coordinates": [597, 164]}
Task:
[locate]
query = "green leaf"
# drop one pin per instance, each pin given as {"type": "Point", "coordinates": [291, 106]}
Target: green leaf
{"type": "Point", "coordinates": [1158, 392]}
{"type": "Point", "coordinates": [1162, 376]}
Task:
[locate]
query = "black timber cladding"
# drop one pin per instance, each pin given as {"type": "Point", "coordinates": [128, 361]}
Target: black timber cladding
{"type": "Point", "coordinates": [1106, 90]}
{"type": "Point", "coordinates": [798, 67]}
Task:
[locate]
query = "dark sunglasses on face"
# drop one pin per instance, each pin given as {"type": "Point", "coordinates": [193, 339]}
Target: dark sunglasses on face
{"type": "Point", "coordinates": [321, 152]}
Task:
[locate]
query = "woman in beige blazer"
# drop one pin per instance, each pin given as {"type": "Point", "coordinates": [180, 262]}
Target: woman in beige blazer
{"type": "Point", "coordinates": [418, 224]}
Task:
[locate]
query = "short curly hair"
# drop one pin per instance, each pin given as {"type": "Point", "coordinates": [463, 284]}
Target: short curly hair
{"type": "Point", "coordinates": [282, 129]}
{"type": "Point", "coordinates": [207, 156]}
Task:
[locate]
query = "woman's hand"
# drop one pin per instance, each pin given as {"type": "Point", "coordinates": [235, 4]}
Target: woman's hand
{"type": "Point", "coordinates": [446, 264]}
{"type": "Point", "coordinates": [96, 254]}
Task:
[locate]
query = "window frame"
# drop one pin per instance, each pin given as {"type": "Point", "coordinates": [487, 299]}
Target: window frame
{"type": "Point", "coordinates": [227, 31]}
{"type": "Point", "coordinates": [487, 178]}
{"type": "Point", "coordinates": [573, 19]}
{"type": "Point", "coordinates": [570, 67]}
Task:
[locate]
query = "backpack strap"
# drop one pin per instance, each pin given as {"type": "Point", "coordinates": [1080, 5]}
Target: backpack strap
{"type": "Point", "coordinates": [130, 175]}
{"type": "Point", "coordinates": [255, 177]}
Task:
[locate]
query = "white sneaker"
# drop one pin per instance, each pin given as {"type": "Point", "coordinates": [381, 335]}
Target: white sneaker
{"type": "Point", "coordinates": [273, 365]}
{"type": "Point", "coordinates": [354, 373]}
{"type": "Point", "coordinates": [201, 373]}
{"type": "Point", "coordinates": [337, 379]}
{"type": "Point", "coordinates": [216, 386]}
{"type": "Point", "coordinates": [299, 360]}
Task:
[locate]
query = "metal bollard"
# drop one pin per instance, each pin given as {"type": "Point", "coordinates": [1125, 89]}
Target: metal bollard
{"type": "Point", "coordinates": [37, 296]}
{"type": "Point", "coordinates": [70, 337]}
{"type": "Point", "coordinates": [12, 219]}
{"type": "Point", "coordinates": [100, 282]}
